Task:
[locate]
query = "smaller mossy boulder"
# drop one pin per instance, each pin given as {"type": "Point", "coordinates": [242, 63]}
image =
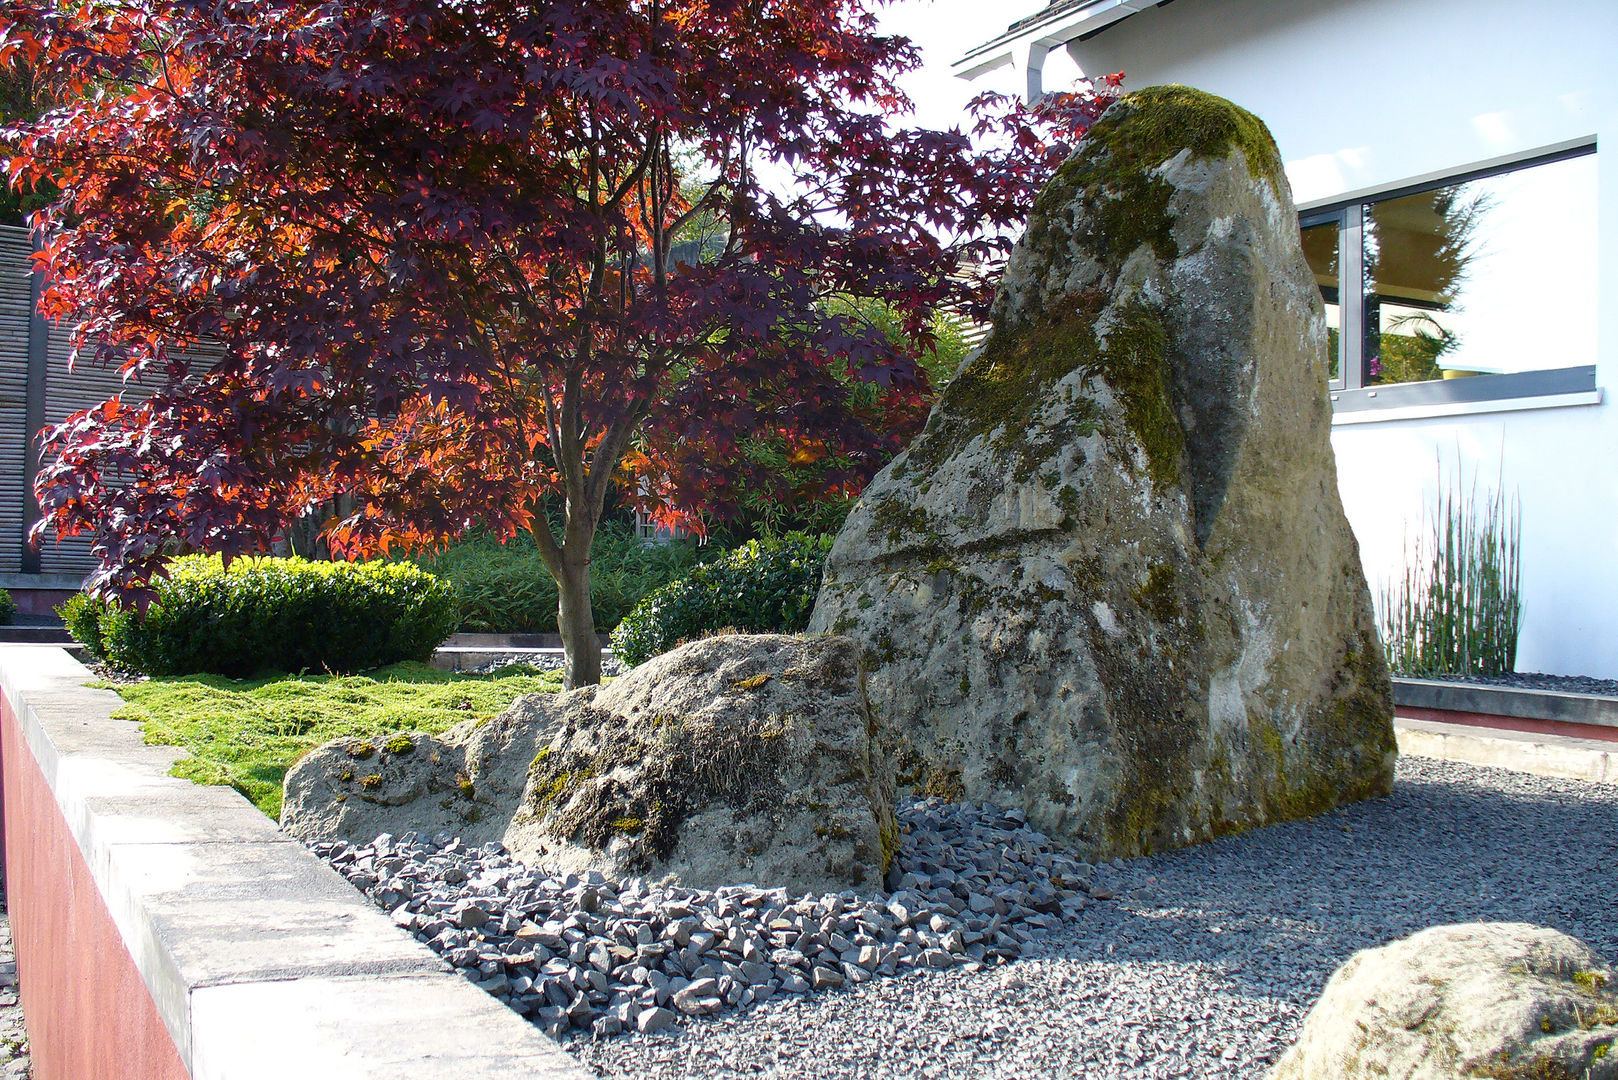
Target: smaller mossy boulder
{"type": "Point", "coordinates": [741, 758]}
{"type": "Point", "coordinates": [736, 758]}
{"type": "Point", "coordinates": [354, 789]}
{"type": "Point", "coordinates": [1507, 1001]}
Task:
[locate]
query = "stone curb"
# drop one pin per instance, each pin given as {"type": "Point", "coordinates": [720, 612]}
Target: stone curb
{"type": "Point", "coordinates": [1527, 704]}
{"type": "Point", "coordinates": [261, 960]}
{"type": "Point", "coordinates": [1543, 755]}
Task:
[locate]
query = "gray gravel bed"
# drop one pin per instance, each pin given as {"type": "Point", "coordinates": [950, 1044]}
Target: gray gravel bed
{"type": "Point", "coordinates": [542, 660]}
{"type": "Point", "coordinates": [1204, 964]}
{"type": "Point", "coordinates": [1534, 680]}
{"type": "Point", "coordinates": [970, 886]}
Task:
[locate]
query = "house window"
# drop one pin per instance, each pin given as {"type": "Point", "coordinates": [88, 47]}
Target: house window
{"type": "Point", "coordinates": [1487, 277]}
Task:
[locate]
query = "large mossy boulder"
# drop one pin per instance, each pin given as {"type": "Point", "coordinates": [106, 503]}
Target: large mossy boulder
{"type": "Point", "coordinates": [741, 758]}
{"type": "Point", "coordinates": [1111, 582]}
{"type": "Point", "coordinates": [1507, 1001]}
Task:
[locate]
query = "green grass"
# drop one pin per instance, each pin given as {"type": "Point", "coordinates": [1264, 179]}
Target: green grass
{"type": "Point", "coordinates": [248, 732]}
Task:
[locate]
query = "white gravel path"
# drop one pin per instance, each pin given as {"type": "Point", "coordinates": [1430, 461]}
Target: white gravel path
{"type": "Point", "coordinates": [1209, 958]}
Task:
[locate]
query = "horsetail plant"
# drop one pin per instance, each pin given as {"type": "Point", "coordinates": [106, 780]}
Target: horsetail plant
{"type": "Point", "coordinates": [1457, 610]}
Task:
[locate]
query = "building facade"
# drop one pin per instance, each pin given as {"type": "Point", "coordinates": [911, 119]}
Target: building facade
{"type": "Point", "coordinates": [36, 389]}
{"type": "Point", "coordinates": [1445, 156]}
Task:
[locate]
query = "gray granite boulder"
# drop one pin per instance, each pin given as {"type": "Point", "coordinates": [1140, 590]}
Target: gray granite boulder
{"type": "Point", "coordinates": [1111, 582]}
{"type": "Point", "coordinates": [1503, 1000]}
{"type": "Point", "coordinates": [741, 758]}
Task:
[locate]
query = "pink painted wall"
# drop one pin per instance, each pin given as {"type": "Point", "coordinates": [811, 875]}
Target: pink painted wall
{"type": "Point", "coordinates": [1598, 732]}
{"type": "Point", "coordinates": [89, 1014]}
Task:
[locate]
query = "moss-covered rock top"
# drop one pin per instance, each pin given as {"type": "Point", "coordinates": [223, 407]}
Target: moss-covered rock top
{"type": "Point", "coordinates": [1148, 127]}
{"type": "Point", "coordinates": [1104, 204]}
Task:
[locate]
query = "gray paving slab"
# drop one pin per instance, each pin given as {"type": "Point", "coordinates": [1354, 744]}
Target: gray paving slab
{"type": "Point", "coordinates": [138, 809]}
{"type": "Point", "coordinates": [438, 1027]}
{"type": "Point", "coordinates": [1518, 702]}
{"type": "Point", "coordinates": [208, 914]}
{"type": "Point", "coordinates": [1542, 755]}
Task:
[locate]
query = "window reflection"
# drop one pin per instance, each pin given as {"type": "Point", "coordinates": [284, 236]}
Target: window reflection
{"type": "Point", "coordinates": [1320, 247]}
{"type": "Point", "coordinates": [1488, 276]}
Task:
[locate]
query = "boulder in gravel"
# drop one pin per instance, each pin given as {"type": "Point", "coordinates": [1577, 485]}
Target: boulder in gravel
{"type": "Point", "coordinates": [1499, 1000]}
{"type": "Point", "coordinates": [1111, 582]}
{"type": "Point", "coordinates": [742, 758]}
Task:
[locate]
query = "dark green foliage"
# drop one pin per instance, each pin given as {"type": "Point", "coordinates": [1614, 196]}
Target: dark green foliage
{"type": "Point", "coordinates": [20, 99]}
{"type": "Point", "coordinates": [8, 609]}
{"type": "Point", "coordinates": [505, 588]}
{"type": "Point", "coordinates": [82, 616]}
{"type": "Point", "coordinates": [272, 615]}
{"type": "Point", "coordinates": [764, 587]}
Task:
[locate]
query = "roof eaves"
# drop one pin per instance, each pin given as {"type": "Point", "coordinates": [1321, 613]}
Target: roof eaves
{"type": "Point", "coordinates": [1060, 22]}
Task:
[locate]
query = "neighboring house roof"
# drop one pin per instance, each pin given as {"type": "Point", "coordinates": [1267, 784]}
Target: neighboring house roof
{"type": "Point", "coordinates": [1060, 22]}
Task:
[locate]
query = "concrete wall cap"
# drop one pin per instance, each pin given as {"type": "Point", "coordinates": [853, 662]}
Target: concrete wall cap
{"type": "Point", "coordinates": [261, 959]}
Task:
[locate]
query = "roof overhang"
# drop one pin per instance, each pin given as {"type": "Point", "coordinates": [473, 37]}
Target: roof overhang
{"type": "Point", "coordinates": [1055, 26]}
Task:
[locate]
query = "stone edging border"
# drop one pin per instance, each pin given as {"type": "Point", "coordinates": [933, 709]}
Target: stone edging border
{"type": "Point", "coordinates": [1506, 701]}
{"type": "Point", "coordinates": [260, 960]}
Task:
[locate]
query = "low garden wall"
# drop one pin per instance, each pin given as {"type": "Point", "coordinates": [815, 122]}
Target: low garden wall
{"type": "Point", "coordinates": [167, 930]}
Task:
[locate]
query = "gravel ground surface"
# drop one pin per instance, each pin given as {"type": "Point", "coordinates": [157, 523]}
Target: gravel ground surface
{"type": "Point", "coordinates": [1206, 960]}
{"type": "Point", "coordinates": [543, 660]}
{"type": "Point", "coordinates": [1534, 680]}
{"type": "Point", "coordinates": [14, 1061]}
{"type": "Point", "coordinates": [971, 886]}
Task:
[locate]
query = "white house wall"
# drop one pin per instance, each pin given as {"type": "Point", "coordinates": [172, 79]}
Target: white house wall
{"type": "Point", "coordinates": [1368, 95]}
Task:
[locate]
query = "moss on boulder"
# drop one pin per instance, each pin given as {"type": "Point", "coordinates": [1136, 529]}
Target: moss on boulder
{"type": "Point", "coordinates": [742, 758]}
{"type": "Point", "coordinates": [1502, 1001]}
{"type": "Point", "coordinates": [1111, 581]}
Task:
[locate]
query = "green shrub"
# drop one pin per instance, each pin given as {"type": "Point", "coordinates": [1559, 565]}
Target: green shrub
{"type": "Point", "coordinates": [272, 615]}
{"type": "Point", "coordinates": [82, 617]}
{"type": "Point", "coordinates": [765, 586]}
{"type": "Point", "coordinates": [506, 589]}
{"type": "Point", "coordinates": [8, 609]}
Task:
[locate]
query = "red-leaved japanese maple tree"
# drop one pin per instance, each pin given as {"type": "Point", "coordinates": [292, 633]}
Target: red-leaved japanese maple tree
{"type": "Point", "coordinates": [436, 248]}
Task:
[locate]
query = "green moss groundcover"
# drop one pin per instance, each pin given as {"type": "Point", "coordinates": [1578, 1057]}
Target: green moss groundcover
{"type": "Point", "coordinates": [248, 733]}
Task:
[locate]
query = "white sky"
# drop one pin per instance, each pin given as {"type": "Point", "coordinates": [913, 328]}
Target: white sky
{"type": "Point", "coordinates": [945, 30]}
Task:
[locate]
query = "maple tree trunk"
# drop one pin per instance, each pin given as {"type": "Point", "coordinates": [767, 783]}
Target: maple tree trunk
{"type": "Point", "coordinates": [575, 618]}
{"type": "Point", "coordinates": [576, 621]}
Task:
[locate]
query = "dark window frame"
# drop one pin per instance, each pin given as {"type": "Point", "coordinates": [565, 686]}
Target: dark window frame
{"type": "Point", "coordinates": [1350, 391]}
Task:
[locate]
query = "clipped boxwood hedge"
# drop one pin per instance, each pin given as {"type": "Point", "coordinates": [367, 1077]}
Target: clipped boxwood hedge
{"type": "Point", "coordinates": [271, 615]}
{"type": "Point", "coordinates": [764, 587]}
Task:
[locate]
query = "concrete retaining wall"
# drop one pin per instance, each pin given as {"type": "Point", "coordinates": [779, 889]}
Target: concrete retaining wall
{"type": "Point", "coordinates": [166, 930]}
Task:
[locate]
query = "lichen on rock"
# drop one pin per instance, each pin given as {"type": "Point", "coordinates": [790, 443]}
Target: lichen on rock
{"type": "Point", "coordinates": [1500, 1001]}
{"type": "Point", "coordinates": [1111, 581]}
{"type": "Point", "coordinates": [743, 758]}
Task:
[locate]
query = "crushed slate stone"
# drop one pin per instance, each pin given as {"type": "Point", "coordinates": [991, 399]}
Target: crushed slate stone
{"type": "Point", "coordinates": [972, 886]}
{"type": "Point", "coordinates": [14, 1060]}
{"type": "Point", "coordinates": [1203, 963]}
{"type": "Point", "coordinates": [1534, 680]}
{"type": "Point", "coordinates": [544, 660]}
